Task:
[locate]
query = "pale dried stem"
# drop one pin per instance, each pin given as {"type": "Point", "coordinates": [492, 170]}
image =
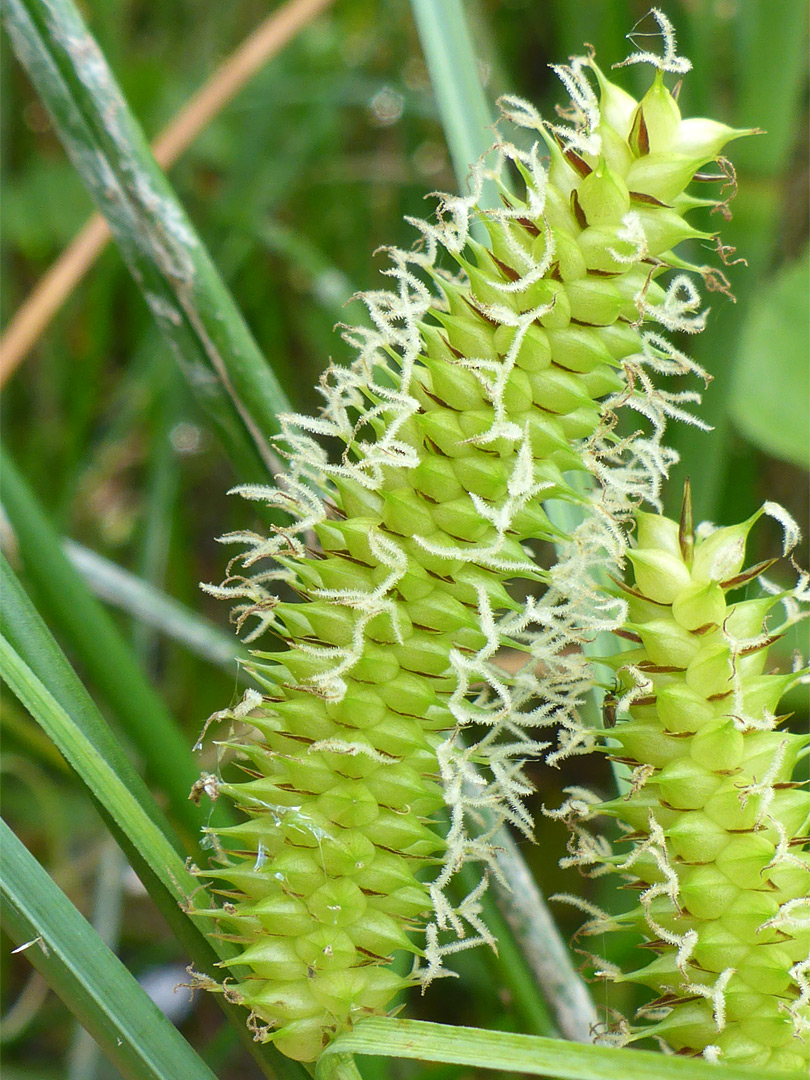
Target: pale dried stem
{"type": "Point", "coordinates": [524, 909]}
{"type": "Point", "coordinates": [52, 290]}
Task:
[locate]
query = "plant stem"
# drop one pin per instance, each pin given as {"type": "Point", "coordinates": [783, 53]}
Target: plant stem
{"type": "Point", "coordinates": [524, 909]}
{"type": "Point", "coordinates": [454, 70]}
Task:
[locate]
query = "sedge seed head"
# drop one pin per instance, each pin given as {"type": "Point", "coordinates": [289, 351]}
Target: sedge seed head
{"type": "Point", "coordinates": [387, 722]}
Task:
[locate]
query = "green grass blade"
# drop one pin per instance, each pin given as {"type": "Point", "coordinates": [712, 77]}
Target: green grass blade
{"type": "Point", "coordinates": [109, 661]}
{"type": "Point", "coordinates": [49, 688]}
{"type": "Point", "coordinates": [157, 863]}
{"type": "Point", "coordinates": [454, 74]}
{"type": "Point", "coordinates": [90, 979]}
{"type": "Point", "coordinates": [529, 1054]}
{"type": "Point", "coordinates": [189, 301]}
{"type": "Point", "coordinates": [153, 607]}
{"type": "Point", "coordinates": [118, 801]}
{"type": "Point", "coordinates": [83, 1059]}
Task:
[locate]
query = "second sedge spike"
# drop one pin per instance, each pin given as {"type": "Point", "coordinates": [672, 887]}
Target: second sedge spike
{"type": "Point", "coordinates": [715, 823]}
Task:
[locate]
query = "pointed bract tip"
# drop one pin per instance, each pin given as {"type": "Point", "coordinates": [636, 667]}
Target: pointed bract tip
{"type": "Point", "coordinates": [686, 529]}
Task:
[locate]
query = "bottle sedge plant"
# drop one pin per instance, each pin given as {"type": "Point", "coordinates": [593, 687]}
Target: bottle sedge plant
{"type": "Point", "coordinates": [492, 378]}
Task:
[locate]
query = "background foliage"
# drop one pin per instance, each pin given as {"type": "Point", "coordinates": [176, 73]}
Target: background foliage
{"type": "Point", "coordinates": [292, 188]}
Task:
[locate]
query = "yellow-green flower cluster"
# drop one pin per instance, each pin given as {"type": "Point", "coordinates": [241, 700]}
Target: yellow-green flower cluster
{"type": "Point", "coordinates": [385, 722]}
{"type": "Point", "coordinates": [715, 824]}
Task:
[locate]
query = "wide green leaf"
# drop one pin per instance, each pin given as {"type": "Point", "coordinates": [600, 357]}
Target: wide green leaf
{"type": "Point", "coordinates": [771, 392]}
{"type": "Point", "coordinates": [94, 984]}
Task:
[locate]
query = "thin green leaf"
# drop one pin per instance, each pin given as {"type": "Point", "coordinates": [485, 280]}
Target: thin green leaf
{"type": "Point", "coordinates": [96, 773]}
{"type": "Point", "coordinates": [152, 606]}
{"type": "Point", "coordinates": [771, 388]}
{"type": "Point", "coordinates": [76, 726]}
{"type": "Point", "coordinates": [83, 1060]}
{"type": "Point", "coordinates": [530, 1054]}
{"type": "Point", "coordinates": [85, 973]}
{"type": "Point", "coordinates": [455, 75]}
{"type": "Point", "coordinates": [97, 642]}
{"type": "Point", "coordinates": [90, 979]}
{"type": "Point", "coordinates": [184, 292]}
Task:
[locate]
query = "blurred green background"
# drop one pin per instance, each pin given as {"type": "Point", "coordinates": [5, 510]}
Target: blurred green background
{"type": "Point", "coordinates": [292, 188]}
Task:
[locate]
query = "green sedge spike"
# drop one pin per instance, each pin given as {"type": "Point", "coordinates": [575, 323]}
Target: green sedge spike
{"type": "Point", "coordinates": [715, 826]}
{"type": "Point", "coordinates": [387, 723]}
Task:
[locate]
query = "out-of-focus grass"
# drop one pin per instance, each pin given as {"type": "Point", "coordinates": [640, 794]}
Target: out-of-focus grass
{"type": "Point", "coordinates": [293, 188]}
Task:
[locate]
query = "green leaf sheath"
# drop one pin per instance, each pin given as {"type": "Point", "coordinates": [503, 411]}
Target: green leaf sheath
{"type": "Point", "coordinates": [190, 303]}
{"type": "Point", "coordinates": [715, 827]}
{"type": "Point", "coordinates": [473, 393]}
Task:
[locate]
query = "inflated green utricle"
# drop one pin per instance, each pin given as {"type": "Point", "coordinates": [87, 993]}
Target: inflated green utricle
{"type": "Point", "coordinates": [472, 399]}
{"type": "Point", "coordinates": [718, 824]}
